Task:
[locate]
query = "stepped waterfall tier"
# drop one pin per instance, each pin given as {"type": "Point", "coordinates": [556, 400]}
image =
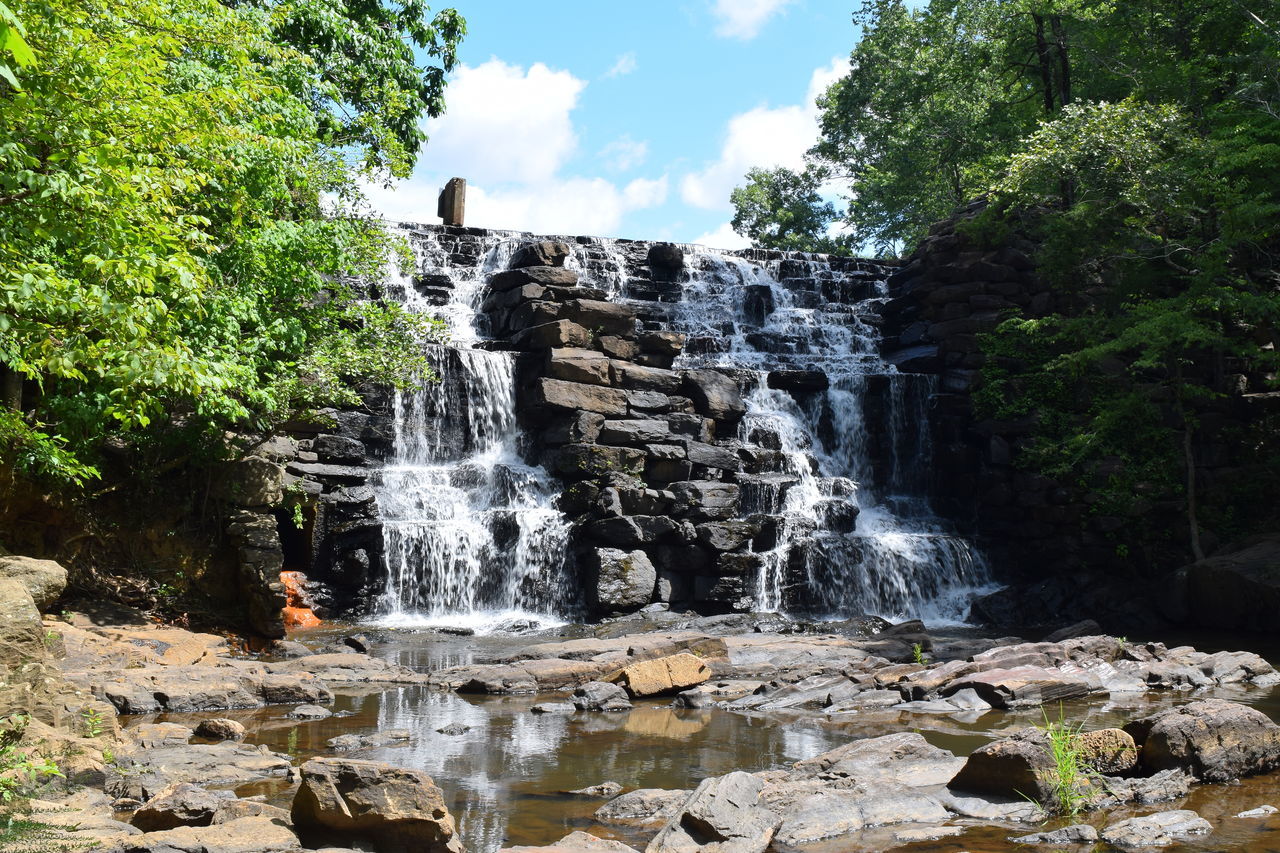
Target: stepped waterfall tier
{"type": "Point", "coordinates": [619, 423]}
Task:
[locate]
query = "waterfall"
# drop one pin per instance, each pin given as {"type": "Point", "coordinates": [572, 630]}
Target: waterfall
{"type": "Point", "coordinates": [838, 439]}
{"type": "Point", "coordinates": [471, 534]}
{"type": "Point", "coordinates": [854, 531]}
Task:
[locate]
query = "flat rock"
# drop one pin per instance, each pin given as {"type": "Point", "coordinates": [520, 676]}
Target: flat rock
{"type": "Point", "coordinates": [1080, 833]}
{"type": "Point", "coordinates": [664, 675]}
{"type": "Point", "coordinates": [576, 842]}
{"type": "Point", "coordinates": [1156, 830]}
{"type": "Point", "coordinates": [643, 807]}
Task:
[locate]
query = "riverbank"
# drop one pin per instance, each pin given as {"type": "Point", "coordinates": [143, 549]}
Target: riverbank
{"type": "Point", "coordinates": [812, 724]}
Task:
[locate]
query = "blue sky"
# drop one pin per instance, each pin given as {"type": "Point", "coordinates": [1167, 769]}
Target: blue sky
{"type": "Point", "coordinates": [628, 119]}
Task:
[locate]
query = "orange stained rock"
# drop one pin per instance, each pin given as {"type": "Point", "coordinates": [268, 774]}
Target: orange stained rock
{"type": "Point", "coordinates": [296, 612]}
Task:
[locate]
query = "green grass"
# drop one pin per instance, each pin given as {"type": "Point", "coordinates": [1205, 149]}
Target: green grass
{"type": "Point", "coordinates": [1068, 773]}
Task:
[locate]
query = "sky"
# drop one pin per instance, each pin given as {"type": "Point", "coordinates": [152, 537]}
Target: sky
{"type": "Point", "coordinates": [624, 119]}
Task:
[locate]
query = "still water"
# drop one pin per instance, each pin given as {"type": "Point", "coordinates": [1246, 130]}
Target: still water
{"type": "Point", "coordinates": [507, 777]}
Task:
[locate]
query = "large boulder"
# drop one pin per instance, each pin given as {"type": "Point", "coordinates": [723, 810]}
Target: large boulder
{"type": "Point", "coordinates": [600, 696]}
{"type": "Point", "coordinates": [395, 808]}
{"type": "Point", "coordinates": [21, 632]}
{"type": "Point", "coordinates": [180, 804]}
{"type": "Point", "coordinates": [714, 395]}
{"type": "Point", "coordinates": [575, 397]}
{"type": "Point", "coordinates": [624, 580]}
{"type": "Point", "coordinates": [1108, 751]}
{"type": "Point", "coordinates": [1216, 740]}
{"type": "Point", "coordinates": [643, 807]}
{"type": "Point", "coordinates": [44, 579]}
{"type": "Point", "coordinates": [1020, 765]}
{"type": "Point", "coordinates": [545, 253]}
{"type": "Point", "coordinates": [724, 814]}
{"type": "Point", "coordinates": [1239, 589]}
{"type": "Point", "coordinates": [669, 674]}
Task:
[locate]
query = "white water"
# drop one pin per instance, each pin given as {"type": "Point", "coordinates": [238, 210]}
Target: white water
{"type": "Point", "coordinates": [471, 535]}
{"type": "Point", "coordinates": [899, 561]}
{"type": "Point", "coordinates": [473, 539]}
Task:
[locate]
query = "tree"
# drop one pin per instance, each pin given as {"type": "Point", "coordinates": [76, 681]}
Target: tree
{"type": "Point", "coordinates": [181, 233]}
{"type": "Point", "coordinates": [782, 209]}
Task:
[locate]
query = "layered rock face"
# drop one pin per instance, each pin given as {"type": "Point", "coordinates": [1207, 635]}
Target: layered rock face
{"type": "Point", "coordinates": [713, 425]}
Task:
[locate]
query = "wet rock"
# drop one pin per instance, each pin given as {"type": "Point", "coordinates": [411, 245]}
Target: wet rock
{"type": "Point", "coordinates": [830, 814]}
{"type": "Point", "coordinates": [607, 790]}
{"type": "Point", "coordinates": [1216, 740]}
{"type": "Point", "coordinates": [310, 712]}
{"type": "Point", "coordinates": [389, 737]}
{"type": "Point", "coordinates": [44, 579]}
{"type": "Point", "coordinates": [1260, 811]}
{"type": "Point", "coordinates": [560, 333]}
{"type": "Point", "coordinates": [724, 811]}
{"type": "Point", "coordinates": [181, 804]}
{"type": "Point", "coordinates": [545, 253]}
{"type": "Point", "coordinates": [1111, 752]}
{"type": "Point", "coordinates": [576, 842]}
{"type": "Point", "coordinates": [714, 395]}
{"type": "Point", "coordinates": [903, 758]}
{"type": "Point", "coordinates": [1080, 833]}
{"type": "Point", "coordinates": [643, 807]}
{"type": "Point", "coordinates": [398, 809]}
{"type": "Point", "coordinates": [454, 729]}
{"type": "Point", "coordinates": [609, 318]}
{"type": "Point", "coordinates": [1022, 686]}
{"type": "Point", "coordinates": [144, 774]}
{"type": "Point", "coordinates": [1160, 788]}
{"type": "Point", "coordinates": [1019, 765]}
{"type": "Point", "coordinates": [554, 708]}
{"type": "Point", "coordinates": [706, 500]}
{"type": "Point", "coordinates": [1156, 830]}
{"type": "Point", "coordinates": [799, 381]}
{"type": "Point", "coordinates": [220, 728]}
{"type": "Point", "coordinates": [576, 396]}
{"type": "Point", "coordinates": [664, 675]}
{"type": "Point", "coordinates": [600, 696]}
{"type": "Point", "coordinates": [624, 580]}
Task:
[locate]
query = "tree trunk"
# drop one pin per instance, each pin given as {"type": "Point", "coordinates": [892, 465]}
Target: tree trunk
{"type": "Point", "coordinates": [1064, 59]}
{"type": "Point", "coordinates": [1189, 459]}
{"type": "Point", "coordinates": [1045, 61]}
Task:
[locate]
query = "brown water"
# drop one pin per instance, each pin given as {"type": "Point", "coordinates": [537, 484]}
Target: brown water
{"type": "Point", "coordinates": [506, 777]}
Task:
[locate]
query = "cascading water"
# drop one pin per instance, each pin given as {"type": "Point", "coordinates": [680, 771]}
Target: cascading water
{"type": "Point", "coordinates": [846, 541]}
{"type": "Point", "coordinates": [471, 536]}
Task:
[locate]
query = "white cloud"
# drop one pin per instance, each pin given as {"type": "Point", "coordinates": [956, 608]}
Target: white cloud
{"type": "Point", "coordinates": [509, 131]}
{"type": "Point", "coordinates": [764, 137]}
{"type": "Point", "coordinates": [504, 123]}
{"type": "Point", "coordinates": [624, 153]}
{"type": "Point", "coordinates": [743, 19]}
{"type": "Point", "coordinates": [723, 237]}
{"type": "Point", "coordinates": [625, 64]}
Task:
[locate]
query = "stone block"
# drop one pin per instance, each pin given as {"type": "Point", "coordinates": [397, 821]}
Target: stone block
{"type": "Point", "coordinates": [588, 461]}
{"type": "Point", "coordinates": [561, 333]}
{"type": "Point", "coordinates": [544, 276]}
{"type": "Point", "coordinates": [544, 253]}
{"type": "Point", "coordinates": [557, 394]}
{"type": "Point", "coordinates": [634, 432]}
{"type": "Point", "coordinates": [577, 365]}
{"type": "Point", "coordinates": [664, 675]}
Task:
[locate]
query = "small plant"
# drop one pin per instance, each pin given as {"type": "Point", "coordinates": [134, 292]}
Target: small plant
{"type": "Point", "coordinates": [19, 771]}
{"type": "Point", "coordinates": [918, 655]}
{"type": "Point", "coordinates": [92, 722]}
{"type": "Point", "coordinates": [109, 756]}
{"type": "Point", "coordinates": [1121, 642]}
{"type": "Point", "coordinates": [1068, 772]}
{"type": "Point", "coordinates": [291, 742]}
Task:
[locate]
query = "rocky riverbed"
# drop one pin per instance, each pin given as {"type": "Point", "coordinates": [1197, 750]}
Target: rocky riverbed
{"type": "Point", "coordinates": [659, 732]}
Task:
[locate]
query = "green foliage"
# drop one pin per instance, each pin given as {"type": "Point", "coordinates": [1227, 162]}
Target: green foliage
{"type": "Point", "coordinates": [19, 771]}
{"type": "Point", "coordinates": [13, 42]}
{"type": "Point", "coordinates": [92, 722]}
{"type": "Point", "coordinates": [782, 209]}
{"type": "Point", "coordinates": [1135, 143]}
{"type": "Point", "coordinates": [1069, 775]}
{"type": "Point", "coordinates": [182, 237]}
{"type": "Point", "coordinates": [918, 655]}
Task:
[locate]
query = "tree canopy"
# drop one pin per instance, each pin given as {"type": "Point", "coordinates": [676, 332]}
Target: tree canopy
{"type": "Point", "coordinates": [1136, 143]}
{"type": "Point", "coordinates": [181, 227]}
